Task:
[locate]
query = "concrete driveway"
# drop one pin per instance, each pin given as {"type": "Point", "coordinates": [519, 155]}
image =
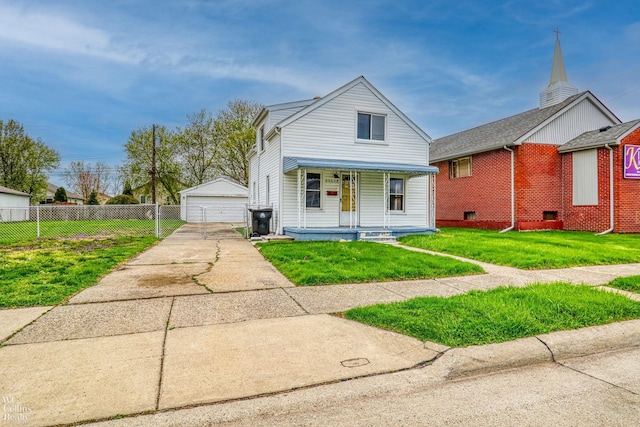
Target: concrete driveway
{"type": "Point", "coordinates": [196, 320]}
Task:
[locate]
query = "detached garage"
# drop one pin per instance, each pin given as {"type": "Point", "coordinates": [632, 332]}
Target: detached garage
{"type": "Point", "coordinates": [220, 200]}
{"type": "Point", "coordinates": [14, 205]}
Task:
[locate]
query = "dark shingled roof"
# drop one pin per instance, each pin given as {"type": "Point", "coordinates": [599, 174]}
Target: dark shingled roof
{"type": "Point", "coordinates": [493, 135]}
{"type": "Point", "coordinates": [597, 138]}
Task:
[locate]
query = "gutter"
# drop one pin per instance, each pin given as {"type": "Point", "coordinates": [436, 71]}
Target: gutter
{"type": "Point", "coordinates": [611, 200]}
{"type": "Point", "coordinates": [513, 192]}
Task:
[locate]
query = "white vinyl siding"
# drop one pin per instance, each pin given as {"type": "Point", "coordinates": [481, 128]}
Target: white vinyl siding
{"type": "Point", "coordinates": [585, 178]}
{"type": "Point", "coordinates": [330, 132]}
{"type": "Point", "coordinates": [583, 117]}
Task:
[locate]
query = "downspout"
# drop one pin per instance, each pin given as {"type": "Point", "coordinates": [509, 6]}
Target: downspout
{"type": "Point", "coordinates": [278, 219]}
{"type": "Point", "coordinates": [611, 217]}
{"type": "Point", "coordinates": [513, 192]}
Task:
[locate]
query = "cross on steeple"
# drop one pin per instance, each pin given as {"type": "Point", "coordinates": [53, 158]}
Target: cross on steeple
{"type": "Point", "coordinates": [559, 87]}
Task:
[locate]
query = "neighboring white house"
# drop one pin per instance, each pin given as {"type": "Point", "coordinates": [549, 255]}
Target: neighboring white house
{"type": "Point", "coordinates": [220, 200]}
{"type": "Point", "coordinates": [14, 205]}
{"type": "Point", "coordinates": [337, 166]}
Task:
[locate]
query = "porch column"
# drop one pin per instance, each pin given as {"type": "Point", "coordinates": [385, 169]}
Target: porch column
{"type": "Point", "coordinates": [304, 199]}
{"type": "Point", "coordinates": [431, 191]}
{"type": "Point", "coordinates": [298, 197]}
{"type": "Point", "coordinates": [385, 195]}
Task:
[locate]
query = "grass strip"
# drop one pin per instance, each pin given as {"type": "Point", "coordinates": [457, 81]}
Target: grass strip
{"type": "Point", "coordinates": [531, 250]}
{"type": "Point", "coordinates": [49, 271]}
{"type": "Point", "coordinates": [629, 283]}
{"type": "Point", "coordinates": [324, 263]}
{"type": "Point", "coordinates": [499, 315]}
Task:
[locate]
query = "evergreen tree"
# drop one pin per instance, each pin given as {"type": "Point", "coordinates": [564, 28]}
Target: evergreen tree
{"type": "Point", "coordinates": [127, 189]}
{"type": "Point", "coordinates": [93, 198]}
{"type": "Point", "coordinates": [61, 195]}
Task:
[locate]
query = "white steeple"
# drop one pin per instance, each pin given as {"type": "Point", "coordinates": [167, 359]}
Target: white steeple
{"type": "Point", "coordinates": [559, 88]}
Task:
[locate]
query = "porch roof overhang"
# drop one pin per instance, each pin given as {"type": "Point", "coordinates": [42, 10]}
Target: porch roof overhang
{"type": "Point", "coordinates": [293, 163]}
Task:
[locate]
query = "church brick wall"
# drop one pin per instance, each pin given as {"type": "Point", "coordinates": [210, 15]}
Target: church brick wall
{"type": "Point", "coordinates": [487, 192]}
{"type": "Point", "coordinates": [538, 185]}
{"type": "Point", "coordinates": [627, 195]}
{"type": "Point", "coordinates": [586, 218]}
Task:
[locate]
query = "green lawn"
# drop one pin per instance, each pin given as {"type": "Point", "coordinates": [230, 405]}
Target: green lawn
{"type": "Point", "coordinates": [49, 271]}
{"type": "Point", "coordinates": [629, 283]}
{"type": "Point", "coordinates": [534, 249]}
{"type": "Point", "coordinates": [322, 263]}
{"type": "Point", "coordinates": [17, 231]}
{"type": "Point", "coordinates": [499, 315]}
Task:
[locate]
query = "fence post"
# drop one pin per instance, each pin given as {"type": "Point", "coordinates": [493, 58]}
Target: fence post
{"type": "Point", "coordinates": [38, 220]}
{"type": "Point", "coordinates": [157, 221]}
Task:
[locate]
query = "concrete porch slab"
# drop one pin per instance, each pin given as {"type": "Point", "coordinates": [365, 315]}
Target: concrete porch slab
{"type": "Point", "coordinates": [70, 381]}
{"type": "Point", "coordinates": [233, 307]}
{"type": "Point", "coordinates": [338, 298]}
{"type": "Point", "coordinates": [132, 282]}
{"type": "Point", "coordinates": [96, 320]}
{"type": "Point", "coordinates": [256, 357]}
{"type": "Point", "coordinates": [13, 320]}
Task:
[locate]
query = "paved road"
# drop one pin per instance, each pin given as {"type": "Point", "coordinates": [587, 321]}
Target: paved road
{"type": "Point", "coordinates": [600, 390]}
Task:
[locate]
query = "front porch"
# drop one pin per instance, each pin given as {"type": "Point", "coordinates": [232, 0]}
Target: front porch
{"type": "Point", "coordinates": [354, 233]}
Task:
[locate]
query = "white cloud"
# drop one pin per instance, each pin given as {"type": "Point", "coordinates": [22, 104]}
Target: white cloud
{"type": "Point", "coordinates": [56, 33]}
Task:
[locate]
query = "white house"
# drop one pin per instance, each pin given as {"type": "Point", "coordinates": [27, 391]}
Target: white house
{"type": "Point", "coordinates": [220, 200]}
{"type": "Point", "coordinates": [342, 166]}
{"type": "Point", "coordinates": [14, 205]}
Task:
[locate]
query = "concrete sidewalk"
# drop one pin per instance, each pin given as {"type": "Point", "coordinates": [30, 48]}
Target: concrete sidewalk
{"type": "Point", "coordinates": [194, 321]}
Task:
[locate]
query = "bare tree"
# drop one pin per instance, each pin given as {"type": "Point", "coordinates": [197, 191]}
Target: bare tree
{"type": "Point", "coordinates": [83, 178]}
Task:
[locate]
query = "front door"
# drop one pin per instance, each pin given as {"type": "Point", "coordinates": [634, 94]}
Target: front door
{"type": "Point", "coordinates": [349, 200]}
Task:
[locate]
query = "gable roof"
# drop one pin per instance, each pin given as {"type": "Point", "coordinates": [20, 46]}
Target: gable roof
{"type": "Point", "coordinates": [316, 103]}
{"type": "Point", "coordinates": [52, 188]}
{"type": "Point", "coordinates": [7, 190]}
{"type": "Point", "coordinates": [511, 130]}
{"type": "Point", "coordinates": [283, 106]}
{"type": "Point", "coordinates": [208, 188]}
{"type": "Point", "coordinates": [611, 135]}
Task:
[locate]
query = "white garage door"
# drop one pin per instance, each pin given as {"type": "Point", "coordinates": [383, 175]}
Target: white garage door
{"type": "Point", "coordinates": [216, 209]}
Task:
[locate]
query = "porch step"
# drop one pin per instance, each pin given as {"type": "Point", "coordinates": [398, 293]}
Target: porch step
{"type": "Point", "coordinates": [381, 236]}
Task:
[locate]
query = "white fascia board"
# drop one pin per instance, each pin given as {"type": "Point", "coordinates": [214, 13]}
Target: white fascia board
{"type": "Point", "coordinates": [587, 95]}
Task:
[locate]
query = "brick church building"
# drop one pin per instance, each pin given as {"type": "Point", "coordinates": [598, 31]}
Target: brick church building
{"type": "Point", "coordinates": [568, 164]}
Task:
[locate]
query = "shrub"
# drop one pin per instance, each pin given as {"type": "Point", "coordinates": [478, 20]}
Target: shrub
{"type": "Point", "coordinates": [122, 199]}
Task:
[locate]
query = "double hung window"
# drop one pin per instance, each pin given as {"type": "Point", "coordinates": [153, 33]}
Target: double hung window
{"type": "Point", "coordinates": [313, 190]}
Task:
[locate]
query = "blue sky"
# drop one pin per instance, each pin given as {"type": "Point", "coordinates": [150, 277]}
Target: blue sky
{"type": "Point", "coordinates": [83, 74]}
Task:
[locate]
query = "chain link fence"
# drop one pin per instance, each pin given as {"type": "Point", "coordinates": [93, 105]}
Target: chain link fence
{"type": "Point", "coordinates": [63, 221]}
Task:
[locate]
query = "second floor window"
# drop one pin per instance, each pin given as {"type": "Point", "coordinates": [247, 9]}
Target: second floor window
{"type": "Point", "coordinates": [371, 126]}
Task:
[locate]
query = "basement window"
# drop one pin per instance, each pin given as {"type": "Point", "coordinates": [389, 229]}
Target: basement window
{"type": "Point", "coordinates": [470, 216]}
{"type": "Point", "coordinates": [460, 168]}
{"type": "Point", "coordinates": [550, 215]}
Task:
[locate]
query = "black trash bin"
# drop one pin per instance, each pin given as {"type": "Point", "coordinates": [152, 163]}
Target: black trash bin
{"type": "Point", "coordinates": [260, 219]}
